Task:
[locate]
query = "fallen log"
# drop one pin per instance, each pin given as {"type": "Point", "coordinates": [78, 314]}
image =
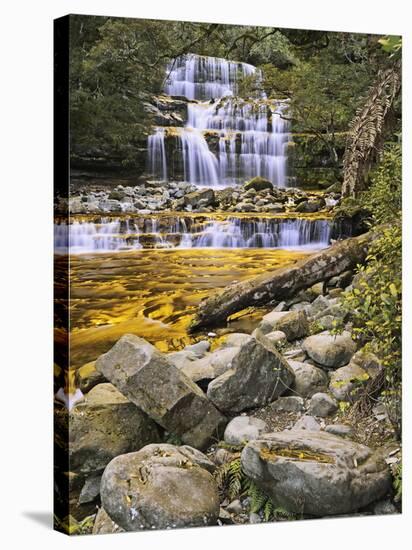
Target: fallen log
{"type": "Point", "coordinates": [284, 282]}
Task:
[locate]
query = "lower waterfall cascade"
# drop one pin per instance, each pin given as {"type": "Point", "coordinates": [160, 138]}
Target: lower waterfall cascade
{"type": "Point", "coordinates": [252, 134]}
{"type": "Point", "coordinates": [116, 234]}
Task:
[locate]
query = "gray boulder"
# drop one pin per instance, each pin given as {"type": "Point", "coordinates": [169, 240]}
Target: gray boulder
{"type": "Point", "coordinates": [160, 487]}
{"type": "Point", "coordinates": [346, 382]}
{"type": "Point", "coordinates": [293, 323]}
{"type": "Point", "coordinates": [316, 473]}
{"type": "Point", "coordinates": [244, 428]}
{"type": "Point", "coordinates": [259, 374]}
{"type": "Point", "coordinates": [339, 429]}
{"type": "Point", "coordinates": [329, 350]}
{"type": "Point", "coordinates": [277, 337]}
{"type": "Point", "coordinates": [319, 304]}
{"type": "Point", "coordinates": [308, 379]}
{"type": "Point", "coordinates": [104, 425]}
{"type": "Point", "coordinates": [236, 339]}
{"type": "Point", "coordinates": [322, 405]}
{"type": "Point", "coordinates": [154, 384]}
{"type": "Point", "coordinates": [203, 196]}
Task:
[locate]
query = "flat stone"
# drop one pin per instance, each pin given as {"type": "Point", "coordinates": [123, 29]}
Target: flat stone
{"type": "Point", "coordinates": [289, 403]}
{"type": "Point", "coordinates": [316, 473]}
{"type": "Point", "coordinates": [339, 429]}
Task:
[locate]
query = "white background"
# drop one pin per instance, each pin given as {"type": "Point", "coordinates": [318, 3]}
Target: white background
{"type": "Point", "coordinates": [26, 269]}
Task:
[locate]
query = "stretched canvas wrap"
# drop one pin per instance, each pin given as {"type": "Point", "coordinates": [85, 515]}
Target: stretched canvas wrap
{"type": "Point", "coordinates": [227, 274]}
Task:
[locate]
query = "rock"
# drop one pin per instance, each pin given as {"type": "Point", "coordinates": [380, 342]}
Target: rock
{"type": "Point", "coordinates": [160, 487]}
{"type": "Point", "coordinates": [308, 423]}
{"type": "Point", "coordinates": [322, 404]}
{"type": "Point", "coordinates": [234, 507]}
{"type": "Point", "coordinates": [104, 425]}
{"type": "Point", "coordinates": [236, 339]}
{"type": "Point", "coordinates": [199, 349]}
{"type": "Point", "coordinates": [334, 310]}
{"type": "Point", "coordinates": [182, 358]}
{"type": "Point", "coordinates": [310, 206]}
{"type": "Point", "coordinates": [207, 196]}
{"type": "Point", "coordinates": [258, 184]}
{"type": "Point", "coordinates": [280, 307]}
{"type": "Point", "coordinates": [329, 350]}
{"type": "Point", "coordinates": [368, 362]}
{"type": "Point", "coordinates": [90, 490]}
{"type": "Point", "coordinates": [308, 379]}
{"type": "Point", "coordinates": [295, 354]}
{"type": "Point", "coordinates": [166, 394]}
{"type": "Point", "coordinates": [258, 375]}
{"type": "Point", "coordinates": [318, 305]}
{"type": "Point", "coordinates": [339, 429]}
{"type": "Point", "coordinates": [244, 428]}
{"type": "Point", "coordinates": [327, 322]}
{"type": "Point", "coordinates": [277, 337]}
{"type": "Point", "coordinates": [104, 525]}
{"type": "Point", "coordinates": [290, 403]}
{"type": "Point", "coordinates": [87, 377]}
{"type": "Point", "coordinates": [335, 292]}
{"type": "Point", "coordinates": [254, 518]}
{"type": "Point", "coordinates": [293, 323]}
{"type": "Point", "coordinates": [315, 473]}
{"type": "Point", "coordinates": [212, 365]}
{"type": "Point", "coordinates": [346, 382]}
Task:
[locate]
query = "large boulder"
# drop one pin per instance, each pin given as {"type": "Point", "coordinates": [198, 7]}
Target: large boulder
{"type": "Point", "coordinates": [160, 487]}
{"type": "Point", "coordinates": [154, 384]}
{"type": "Point", "coordinates": [259, 374]}
{"type": "Point", "coordinates": [330, 350]}
{"type": "Point", "coordinates": [292, 323]}
{"type": "Point", "coordinates": [244, 428]}
{"type": "Point", "coordinates": [316, 473]}
{"type": "Point", "coordinates": [308, 379]}
{"type": "Point", "coordinates": [322, 404]}
{"type": "Point", "coordinates": [103, 425]}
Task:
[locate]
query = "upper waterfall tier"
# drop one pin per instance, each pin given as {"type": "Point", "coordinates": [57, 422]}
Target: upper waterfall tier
{"type": "Point", "coordinates": [199, 77]}
{"type": "Point", "coordinates": [211, 84]}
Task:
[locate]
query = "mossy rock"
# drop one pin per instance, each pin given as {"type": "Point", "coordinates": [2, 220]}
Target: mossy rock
{"type": "Point", "coordinates": [258, 184]}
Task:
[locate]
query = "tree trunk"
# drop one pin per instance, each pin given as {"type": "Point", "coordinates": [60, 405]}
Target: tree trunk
{"type": "Point", "coordinates": [285, 282]}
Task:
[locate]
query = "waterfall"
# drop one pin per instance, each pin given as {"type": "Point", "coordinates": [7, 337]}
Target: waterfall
{"type": "Point", "coordinates": [113, 234]}
{"type": "Point", "coordinates": [157, 154]}
{"type": "Point", "coordinates": [252, 134]}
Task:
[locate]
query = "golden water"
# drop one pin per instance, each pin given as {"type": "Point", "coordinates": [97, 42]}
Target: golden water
{"type": "Point", "coordinates": [154, 293]}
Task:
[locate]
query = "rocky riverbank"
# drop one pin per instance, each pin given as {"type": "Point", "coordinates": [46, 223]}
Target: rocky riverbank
{"type": "Point", "coordinates": [257, 195]}
{"type": "Point", "coordinates": [238, 428]}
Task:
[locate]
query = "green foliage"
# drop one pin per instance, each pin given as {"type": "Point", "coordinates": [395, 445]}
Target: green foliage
{"type": "Point", "coordinates": [231, 478]}
{"type": "Point", "coordinates": [391, 45]}
{"type": "Point", "coordinates": [384, 196]}
{"type": "Point", "coordinates": [375, 305]}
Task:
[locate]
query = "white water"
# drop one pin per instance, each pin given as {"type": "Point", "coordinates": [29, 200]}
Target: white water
{"type": "Point", "coordinates": [179, 232]}
{"type": "Point", "coordinates": [252, 134]}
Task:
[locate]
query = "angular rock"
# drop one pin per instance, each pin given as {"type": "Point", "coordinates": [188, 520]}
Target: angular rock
{"type": "Point", "coordinates": [308, 423]}
{"type": "Point", "coordinates": [318, 305]}
{"type": "Point", "coordinates": [346, 382]}
{"type": "Point", "coordinates": [207, 196]}
{"type": "Point", "coordinates": [160, 487]}
{"type": "Point", "coordinates": [259, 374]}
{"type": "Point", "coordinates": [90, 490]}
{"type": "Point", "coordinates": [156, 386]}
{"type": "Point", "coordinates": [294, 324]}
{"type": "Point", "coordinates": [322, 404]}
{"type": "Point", "coordinates": [104, 425]}
{"type": "Point", "coordinates": [316, 473]}
{"type": "Point", "coordinates": [308, 379]}
{"type": "Point", "coordinates": [329, 350]}
{"type": "Point", "coordinates": [244, 428]}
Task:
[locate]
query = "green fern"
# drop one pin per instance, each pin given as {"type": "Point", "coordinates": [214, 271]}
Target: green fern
{"type": "Point", "coordinates": [231, 478]}
{"type": "Point", "coordinates": [257, 498]}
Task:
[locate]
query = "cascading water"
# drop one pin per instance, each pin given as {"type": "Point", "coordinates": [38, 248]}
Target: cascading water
{"type": "Point", "coordinates": [191, 232]}
{"type": "Point", "coordinates": [252, 134]}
